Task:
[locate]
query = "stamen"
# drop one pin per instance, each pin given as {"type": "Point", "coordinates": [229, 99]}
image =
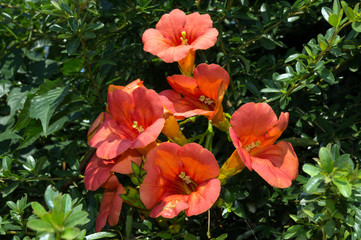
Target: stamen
{"type": "Point", "coordinates": [206, 100]}
{"type": "Point", "coordinates": [249, 147]}
{"type": "Point", "coordinates": [183, 38]}
{"type": "Point", "coordinates": [139, 128]}
{"type": "Point", "coordinates": [185, 178]}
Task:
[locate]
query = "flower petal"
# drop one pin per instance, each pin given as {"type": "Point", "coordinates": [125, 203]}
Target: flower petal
{"type": "Point", "coordinates": [109, 139]}
{"type": "Point", "coordinates": [252, 121]}
{"type": "Point", "coordinates": [278, 165]}
{"type": "Point", "coordinates": [199, 163]}
{"type": "Point", "coordinates": [184, 85]}
{"type": "Point", "coordinates": [171, 26]}
{"type": "Point", "coordinates": [206, 195]}
{"type": "Point", "coordinates": [110, 207]}
{"type": "Point", "coordinates": [243, 154]}
{"type": "Point", "coordinates": [170, 207]}
{"type": "Point", "coordinates": [209, 78]}
{"type": "Point", "coordinates": [161, 164]}
{"type": "Point", "coordinates": [200, 33]}
{"type": "Point", "coordinates": [123, 163]}
{"type": "Point", "coordinates": [182, 107]}
{"type": "Point", "coordinates": [97, 172]}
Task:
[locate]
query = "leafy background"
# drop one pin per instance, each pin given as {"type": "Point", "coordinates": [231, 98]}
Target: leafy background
{"type": "Point", "coordinates": [58, 58]}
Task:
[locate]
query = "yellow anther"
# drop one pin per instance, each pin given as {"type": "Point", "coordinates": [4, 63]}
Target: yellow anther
{"type": "Point", "coordinates": [139, 128]}
{"type": "Point", "coordinates": [249, 147]}
{"type": "Point", "coordinates": [183, 38]}
{"type": "Point", "coordinates": [206, 100]}
{"type": "Point", "coordinates": [185, 178]}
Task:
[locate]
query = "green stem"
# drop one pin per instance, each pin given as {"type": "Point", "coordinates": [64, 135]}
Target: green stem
{"type": "Point", "coordinates": [209, 137]}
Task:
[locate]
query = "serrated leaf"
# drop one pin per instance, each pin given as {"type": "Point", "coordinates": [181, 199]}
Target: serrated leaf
{"type": "Point", "coordinates": [44, 104]}
{"type": "Point", "coordinates": [72, 45]}
{"type": "Point", "coordinates": [6, 163]}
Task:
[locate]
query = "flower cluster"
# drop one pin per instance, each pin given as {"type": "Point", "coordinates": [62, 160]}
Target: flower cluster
{"type": "Point", "coordinates": [180, 175]}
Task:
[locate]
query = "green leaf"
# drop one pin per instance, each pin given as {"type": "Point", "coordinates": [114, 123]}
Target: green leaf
{"type": "Point", "coordinates": [326, 75]}
{"type": "Point", "coordinates": [44, 104]}
{"type": "Point", "coordinates": [293, 231]}
{"type": "Point", "coordinates": [49, 196]}
{"type": "Point", "coordinates": [311, 169]}
{"type": "Point", "coordinates": [38, 209]}
{"type": "Point", "coordinates": [6, 163]}
{"type": "Point", "coordinates": [5, 86]}
{"type": "Point", "coordinates": [333, 20]}
{"type": "Point", "coordinates": [66, 9]}
{"type": "Point", "coordinates": [73, 65]}
{"type": "Point", "coordinates": [313, 183]}
{"type": "Point", "coordinates": [301, 142]}
{"type": "Point", "coordinates": [70, 233]}
{"type": "Point", "coordinates": [343, 186]}
{"type": "Point", "coordinates": [10, 188]}
{"type": "Point", "coordinates": [76, 218]}
{"type": "Point", "coordinates": [284, 77]}
{"type": "Point", "coordinates": [40, 225]}
{"type": "Point", "coordinates": [99, 235]}
{"type": "Point", "coordinates": [94, 26]}
{"type": "Point", "coordinates": [326, 12]}
{"type": "Point", "coordinates": [57, 28]}
{"type": "Point", "coordinates": [295, 56]}
{"type": "Point", "coordinates": [326, 160]}
{"type": "Point", "coordinates": [221, 237]}
{"type": "Point", "coordinates": [72, 45]}
{"type": "Point", "coordinates": [356, 26]}
{"type": "Point", "coordinates": [73, 23]}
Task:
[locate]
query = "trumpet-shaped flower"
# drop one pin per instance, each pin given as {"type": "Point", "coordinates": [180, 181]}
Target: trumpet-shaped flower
{"type": "Point", "coordinates": [176, 34]}
{"type": "Point", "coordinates": [99, 170]}
{"type": "Point", "coordinates": [179, 178]}
{"type": "Point", "coordinates": [111, 204]}
{"type": "Point", "coordinates": [134, 120]}
{"type": "Point", "coordinates": [201, 95]}
{"type": "Point", "coordinates": [255, 128]}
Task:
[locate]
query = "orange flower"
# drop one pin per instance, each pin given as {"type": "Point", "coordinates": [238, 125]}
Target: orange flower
{"type": "Point", "coordinates": [99, 170]}
{"type": "Point", "coordinates": [111, 204]}
{"type": "Point", "coordinates": [177, 33]}
{"type": "Point", "coordinates": [179, 178]}
{"type": "Point", "coordinates": [134, 120]}
{"type": "Point", "coordinates": [202, 95]}
{"type": "Point", "coordinates": [255, 128]}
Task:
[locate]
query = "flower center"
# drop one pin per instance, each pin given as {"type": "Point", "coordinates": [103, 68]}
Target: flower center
{"type": "Point", "coordinates": [139, 128]}
{"type": "Point", "coordinates": [183, 38]}
{"type": "Point", "coordinates": [206, 100]}
{"type": "Point", "coordinates": [188, 183]}
{"type": "Point", "coordinates": [253, 145]}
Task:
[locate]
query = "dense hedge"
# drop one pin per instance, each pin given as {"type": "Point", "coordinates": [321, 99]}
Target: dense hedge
{"type": "Point", "coordinates": [59, 57]}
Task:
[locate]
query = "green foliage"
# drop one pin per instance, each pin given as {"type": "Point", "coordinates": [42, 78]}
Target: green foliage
{"type": "Point", "coordinates": [328, 207]}
{"type": "Point", "coordinates": [58, 58]}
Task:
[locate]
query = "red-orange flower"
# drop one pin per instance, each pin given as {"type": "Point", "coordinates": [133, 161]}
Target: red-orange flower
{"type": "Point", "coordinates": [134, 120]}
{"type": "Point", "coordinates": [177, 33]}
{"type": "Point", "coordinates": [180, 178]}
{"type": "Point", "coordinates": [99, 170]}
{"type": "Point", "coordinates": [111, 204]}
{"type": "Point", "coordinates": [201, 95]}
{"type": "Point", "coordinates": [255, 128]}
